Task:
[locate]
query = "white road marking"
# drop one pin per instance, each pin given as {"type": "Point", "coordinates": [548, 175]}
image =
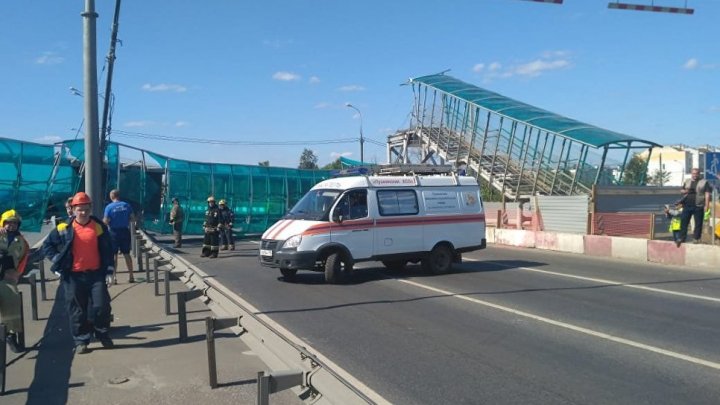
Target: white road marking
{"type": "Point", "coordinates": [578, 329]}
{"type": "Point", "coordinates": [604, 281]}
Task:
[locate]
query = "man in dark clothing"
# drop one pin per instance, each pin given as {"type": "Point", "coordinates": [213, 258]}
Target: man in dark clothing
{"type": "Point", "coordinates": [177, 216]}
{"type": "Point", "coordinates": [211, 243]}
{"type": "Point", "coordinates": [697, 192]}
{"type": "Point", "coordinates": [227, 217]}
{"type": "Point", "coordinates": [81, 252]}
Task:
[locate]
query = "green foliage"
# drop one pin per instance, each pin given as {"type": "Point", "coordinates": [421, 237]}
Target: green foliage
{"type": "Point", "coordinates": [308, 160]}
{"type": "Point", "coordinates": [635, 172]}
{"type": "Point", "coordinates": [336, 165]}
{"type": "Point", "coordinates": [659, 178]}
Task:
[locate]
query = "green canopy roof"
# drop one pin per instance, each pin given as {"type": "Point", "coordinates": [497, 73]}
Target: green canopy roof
{"type": "Point", "coordinates": [534, 116]}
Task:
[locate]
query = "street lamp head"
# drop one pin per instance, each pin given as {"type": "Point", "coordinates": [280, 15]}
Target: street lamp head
{"type": "Point", "coordinates": [348, 105]}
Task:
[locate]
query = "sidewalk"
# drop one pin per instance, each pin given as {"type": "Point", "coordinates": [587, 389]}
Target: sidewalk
{"type": "Point", "coordinates": [148, 364]}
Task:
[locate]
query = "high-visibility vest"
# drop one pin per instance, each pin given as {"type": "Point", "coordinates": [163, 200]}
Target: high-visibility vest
{"type": "Point", "coordinates": [674, 224]}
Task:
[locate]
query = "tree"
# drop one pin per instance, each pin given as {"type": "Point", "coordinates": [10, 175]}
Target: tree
{"type": "Point", "coordinates": [308, 160]}
{"type": "Point", "coordinates": [264, 163]}
{"type": "Point", "coordinates": [659, 178]}
{"type": "Point", "coordinates": [336, 165]}
{"type": "Point", "coordinates": [635, 172]}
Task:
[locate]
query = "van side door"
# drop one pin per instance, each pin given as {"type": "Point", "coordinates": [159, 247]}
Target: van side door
{"type": "Point", "coordinates": [398, 227]}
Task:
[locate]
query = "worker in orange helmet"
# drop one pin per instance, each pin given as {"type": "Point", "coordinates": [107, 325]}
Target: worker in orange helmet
{"type": "Point", "coordinates": [81, 252]}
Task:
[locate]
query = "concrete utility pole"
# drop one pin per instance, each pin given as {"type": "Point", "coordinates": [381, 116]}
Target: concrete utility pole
{"type": "Point", "coordinates": [93, 164]}
{"type": "Point", "coordinates": [362, 140]}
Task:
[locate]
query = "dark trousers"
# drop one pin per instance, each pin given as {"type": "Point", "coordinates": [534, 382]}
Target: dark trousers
{"type": "Point", "coordinates": [227, 237]}
{"type": "Point", "coordinates": [88, 305]}
{"type": "Point", "coordinates": [177, 233]}
{"type": "Point", "coordinates": [211, 241]}
{"type": "Point", "coordinates": [695, 212]}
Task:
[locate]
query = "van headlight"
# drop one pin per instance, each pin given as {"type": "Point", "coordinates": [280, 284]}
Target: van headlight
{"type": "Point", "coordinates": [292, 242]}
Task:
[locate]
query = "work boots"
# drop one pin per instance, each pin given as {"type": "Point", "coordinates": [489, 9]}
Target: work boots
{"type": "Point", "coordinates": [232, 247]}
{"type": "Point", "coordinates": [214, 254]}
{"type": "Point", "coordinates": [205, 252]}
{"type": "Point", "coordinates": [225, 247]}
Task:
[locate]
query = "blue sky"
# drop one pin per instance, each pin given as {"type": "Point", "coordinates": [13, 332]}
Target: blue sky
{"type": "Point", "coordinates": [282, 71]}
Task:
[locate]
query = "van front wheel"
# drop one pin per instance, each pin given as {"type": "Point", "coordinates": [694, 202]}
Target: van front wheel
{"type": "Point", "coordinates": [336, 268]}
{"type": "Point", "coordinates": [439, 261]}
{"type": "Point", "coordinates": [288, 274]}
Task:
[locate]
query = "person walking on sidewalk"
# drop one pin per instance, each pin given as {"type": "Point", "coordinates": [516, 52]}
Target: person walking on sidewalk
{"type": "Point", "coordinates": [177, 216]}
{"type": "Point", "coordinates": [227, 217]}
{"type": "Point", "coordinates": [13, 257]}
{"type": "Point", "coordinates": [81, 252]}
{"type": "Point", "coordinates": [697, 193]}
{"type": "Point", "coordinates": [117, 217]}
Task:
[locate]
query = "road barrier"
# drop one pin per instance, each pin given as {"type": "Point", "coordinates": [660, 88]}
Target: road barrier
{"type": "Point", "coordinates": [318, 383]}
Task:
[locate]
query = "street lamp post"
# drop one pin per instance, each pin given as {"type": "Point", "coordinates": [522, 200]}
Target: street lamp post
{"type": "Point", "coordinates": [362, 140]}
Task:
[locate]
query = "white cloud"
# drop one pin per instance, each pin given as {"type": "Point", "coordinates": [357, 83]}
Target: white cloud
{"type": "Point", "coordinates": [177, 88]}
{"type": "Point", "coordinates": [49, 58]}
{"type": "Point", "coordinates": [48, 139]}
{"type": "Point", "coordinates": [286, 76]}
{"type": "Point", "coordinates": [537, 67]}
{"type": "Point", "coordinates": [550, 60]}
{"type": "Point", "coordinates": [180, 124]}
{"type": "Point", "coordinates": [691, 63]}
{"type": "Point", "coordinates": [137, 124]}
{"type": "Point", "coordinates": [314, 80]}
{"type": "Point", "coordinates": [322, 105]}
{"type": "Point", "coordinates": [351, 87]}
{"type": "Point", "coordinates": [337, 155]}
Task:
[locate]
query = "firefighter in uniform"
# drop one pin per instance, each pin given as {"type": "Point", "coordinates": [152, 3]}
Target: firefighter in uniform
{"type": "Point", "coordinates": [227, 217]}
{"type": "Point", "coordinates": [211, 244]}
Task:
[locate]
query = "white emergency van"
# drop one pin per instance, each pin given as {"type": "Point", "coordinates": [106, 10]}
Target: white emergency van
{"type": "Point", "coordinates": [393, 219]}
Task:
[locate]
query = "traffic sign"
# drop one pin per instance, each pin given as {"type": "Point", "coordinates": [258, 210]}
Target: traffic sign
{"type": "Point", "coordinates": [712, 166]}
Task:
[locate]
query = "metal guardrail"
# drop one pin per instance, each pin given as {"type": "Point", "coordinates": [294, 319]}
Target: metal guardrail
{"type": "Point", "coordinates": [322, 382]}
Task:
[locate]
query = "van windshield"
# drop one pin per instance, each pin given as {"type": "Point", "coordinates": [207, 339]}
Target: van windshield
{"type": "Point", "coordinates": [314, 206]}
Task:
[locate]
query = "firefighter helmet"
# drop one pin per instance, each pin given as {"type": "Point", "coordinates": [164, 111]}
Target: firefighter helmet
{"type": "Point", "coordinates": [211, 199]}
{"type": "Point", "coordinates": [222, 202]}
{"type": "Point", "coordinates": [11, 216]}
{"type": "Point", "coordinates": [80, 199]}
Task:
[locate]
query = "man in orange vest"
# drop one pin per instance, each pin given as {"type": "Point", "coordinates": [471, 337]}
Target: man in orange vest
{"type": "Point", "coordinates": [82, 253]}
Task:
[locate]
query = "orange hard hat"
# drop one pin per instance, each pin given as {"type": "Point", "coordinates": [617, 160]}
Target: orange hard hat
{"type": "Point", "coordinates": [80, 199]}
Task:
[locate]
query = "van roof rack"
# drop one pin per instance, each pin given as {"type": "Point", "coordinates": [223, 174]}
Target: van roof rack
{"type": "Point", "coordinates": [411, 169]}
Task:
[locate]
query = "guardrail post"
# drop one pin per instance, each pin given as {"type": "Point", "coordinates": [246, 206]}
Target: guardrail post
{"type": "Point", "coordinates": [276, 382]}
{"type": "Point", "coordinates": [43, 290]}
{"type": "Point", "coordinates": [138, 253]}
{"type": "Point", "coordinates": [3, 358]}
{"type": "Point", "coordinates": [21, 335]}
{"type": "Point", "coordinates": [182, 298]}
{"type": "Point", "coordinates": [211, 325]}
{"type": "Point", "coordinates": [166, 281]}
{"type": "Point", "coordinates": [33, 296]}
{"type": "Point", "coordinates": [156, 264]}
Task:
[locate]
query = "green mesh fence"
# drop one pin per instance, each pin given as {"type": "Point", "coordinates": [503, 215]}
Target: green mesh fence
{"type": "Point", "coordinates": [37, 179]}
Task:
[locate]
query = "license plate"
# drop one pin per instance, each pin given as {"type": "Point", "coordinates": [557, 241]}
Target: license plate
{"type": "Point", "coordinates": [265, 252]}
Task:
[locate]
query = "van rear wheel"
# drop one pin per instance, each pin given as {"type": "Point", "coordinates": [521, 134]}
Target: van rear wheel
{"type": "Point", "coordinates": [439, 261]}
{"type": "Point", "coordinates": [337, 268]}
{"type": "Point", "coordinates": [288, 274]}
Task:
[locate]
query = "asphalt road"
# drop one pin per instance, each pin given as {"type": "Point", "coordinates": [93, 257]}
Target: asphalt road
{"type": "Point", "coordinates": [509, 326]}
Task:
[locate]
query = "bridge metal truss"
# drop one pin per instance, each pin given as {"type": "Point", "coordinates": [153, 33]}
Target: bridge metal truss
{"type": "Point", "coordinates": [516, 157]}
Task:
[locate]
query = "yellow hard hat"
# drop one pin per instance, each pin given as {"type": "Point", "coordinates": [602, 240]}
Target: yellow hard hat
{"type": "Point", "coordinates": [222, 202]}
{"type": "Point", "coordinates": [10, 215]}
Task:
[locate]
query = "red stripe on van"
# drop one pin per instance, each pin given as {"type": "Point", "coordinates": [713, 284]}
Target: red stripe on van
{"type": "Point", "coordinates": [395, 222]}
{"type": "Point", "coordinates": [280, 228]}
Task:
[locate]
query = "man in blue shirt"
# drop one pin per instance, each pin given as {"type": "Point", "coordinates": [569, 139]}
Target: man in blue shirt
{"type": "Point", "coordinates": [117, 217]}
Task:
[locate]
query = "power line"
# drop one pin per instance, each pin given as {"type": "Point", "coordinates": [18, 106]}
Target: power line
{"type": "Point", "coordinates": [170, 138]}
